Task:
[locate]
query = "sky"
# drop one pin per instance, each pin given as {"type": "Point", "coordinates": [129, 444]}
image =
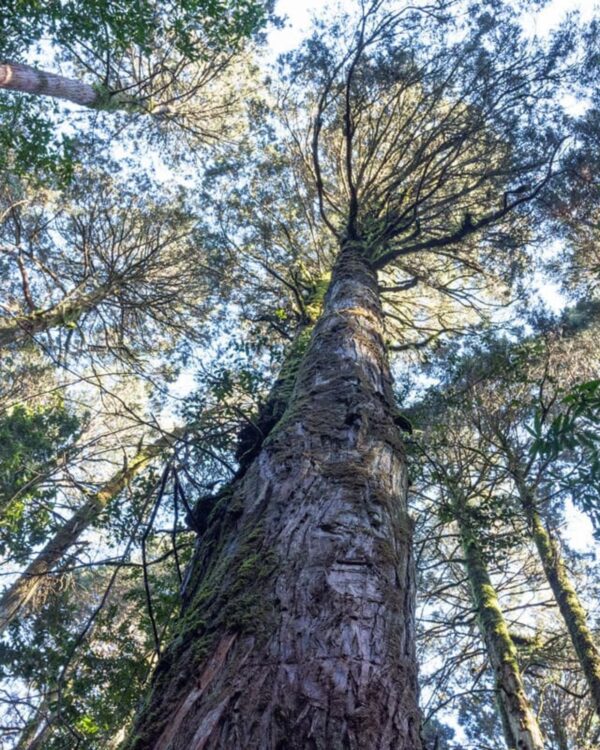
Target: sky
{"type": "Point", "coordinates": [299, 13]}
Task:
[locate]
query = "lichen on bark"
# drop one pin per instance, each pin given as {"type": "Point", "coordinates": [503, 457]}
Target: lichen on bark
{"type": "Point", "coordinates": [519, 724]}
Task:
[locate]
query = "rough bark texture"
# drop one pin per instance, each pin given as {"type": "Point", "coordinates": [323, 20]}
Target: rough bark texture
{"type": "Point", "coordinates": [28, 80]}
{"type": "Point", "coordinates": [26, 585]}
{"type": "Point", "coordinates": [297, 631]}
{"type": "Point", "coordinates": [520, 727]}
{"type": "Point", "coordinates": [570, 606]}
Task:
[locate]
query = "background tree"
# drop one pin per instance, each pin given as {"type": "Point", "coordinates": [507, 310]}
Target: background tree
{"type": "Point", "coordinates": [103, 266]}
{"type": "Point", "coordinates": [496, 396]}
{"type": "Point", "coordinates": [171, 60]}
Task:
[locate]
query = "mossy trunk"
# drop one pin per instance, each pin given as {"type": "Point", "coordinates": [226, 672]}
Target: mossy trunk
{"type": "Point", "coordinates": [298, 626]}
{"type": "Point", "coordinates": [520, 727]}
{"type": "Point", "coordinates": [252, 436]}
{"type": "Point", "coordinates": [565, 594]}
{"type": "Point", "coordinates": [65, 313]}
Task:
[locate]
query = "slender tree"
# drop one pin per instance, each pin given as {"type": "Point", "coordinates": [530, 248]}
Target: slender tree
{"type": "Point", "coordinates": [24, 588]}
{"type": "Point", "coordinates": [508, 394]}
{"type": "Point", "coordinates": [469, 496]}
{"type": "Point", "coordinates": [569, 603]}
{"type": "Point", "coordinates": [520, 724]}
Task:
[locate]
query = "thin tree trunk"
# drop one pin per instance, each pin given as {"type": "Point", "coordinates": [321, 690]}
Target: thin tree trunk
{"type": "Point", "coordinates": [298, 629]}
{"type": "Point", "coordinates": [27, 584]}
{"type": "Point", "coordinates": [64, 313]}
{"type": "Point", "coordinates": [28, 80]}
{"type": "Point", "coordinates": [520, 726]}
{"type": "Point", "coordinates": [570, 606]}
{"type": "Point", "coordinates": [35, 732]}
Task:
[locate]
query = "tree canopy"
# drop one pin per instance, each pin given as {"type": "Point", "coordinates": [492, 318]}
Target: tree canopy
{"type": "Point", "coordinates": [196, 242]}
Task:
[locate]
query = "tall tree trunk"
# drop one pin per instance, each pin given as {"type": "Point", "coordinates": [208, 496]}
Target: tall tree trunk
{"type": "Point", "coordinates": [520, 727]}
{"type": "Point", "coordinates": [25, 586]}
{"type": "Point", "coordinates": [28, 80]}
{"type": "Point", "coordinates": [298, 630]}
{"type": "Point", "coordinates": [564, 592]}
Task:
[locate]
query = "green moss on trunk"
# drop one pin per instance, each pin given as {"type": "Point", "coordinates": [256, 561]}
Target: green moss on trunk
{"type": "Point", "coordinates": [518, 721]}
{"type": "Point", "coordinates": [570, 606]}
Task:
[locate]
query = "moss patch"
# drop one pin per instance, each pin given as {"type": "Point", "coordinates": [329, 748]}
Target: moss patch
{"type": "Point", "coordinates": [227, 596]}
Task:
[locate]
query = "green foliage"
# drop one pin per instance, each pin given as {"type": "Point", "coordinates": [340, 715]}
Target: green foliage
{"type": "Point", "coordinates": [575, 427]}
{"type": "Point", "coordinates": [29, 438]}
{"type": "Point", "coordinates": [32, 442]}
{"type": "Point", "coordinates": [111, 28]}
{"type": "Point", "coordinates": [572, 439]}
{"type": "Point", "coordinates": [29, 146]}
{"type": "Point", "coordinates": [93, 690]}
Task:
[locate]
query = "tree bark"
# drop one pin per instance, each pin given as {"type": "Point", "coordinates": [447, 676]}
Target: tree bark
{"type": "Point", "coordinates": [22, 591]}
{"type": "Point", "coordinates": [570, 606]}
{"type": "Point", "coordinates": [28, 80]}
{"type": "Point", "coordinates": [520, 727]}
{"type": "Point", "coordinates": [297, 630]}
